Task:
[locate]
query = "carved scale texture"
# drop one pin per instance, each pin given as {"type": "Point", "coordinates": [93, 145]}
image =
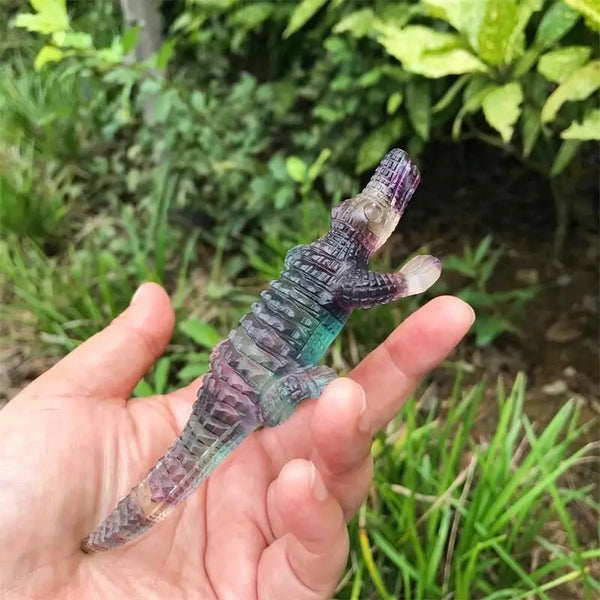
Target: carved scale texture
{"type": "Point", "coordinates": [289, 328]}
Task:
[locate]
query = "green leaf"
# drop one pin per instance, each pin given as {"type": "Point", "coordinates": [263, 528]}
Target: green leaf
{"type": "Point", "coordinates": [501, 108]}
{"type": "Point", "coordinates": [531, 125]}
{"type": "Point", "coordinates": [252, 15]}
{"type": "Point", "coordinates": [457, 264]}
{"type": "Point", "coordinates": [47, 54]}
{"type": "Point", "coordinates": [192, 371]}
{"type": "Point", "coordinates": [296, 168]}
{"type": "Point", "coordinates": [113, 54]}
{"type": "Point", "coordinates": [495, 34]}
{"type": "Point", "coordinates": [559, 64]}
{"type": "Point", "coordinates": [482, 249]}
{"type": "Point", "coordinates": [558, 20]}
{"type": "Point", "coordinates": [161, 375]}
{"type": "Point", "coordinates": [581, 84]}
{"type": "Point", "coordinates": [393, 102]}
{"type": "Point", "coordinates": [473, 97]}
{"type": "Point", "coordinates": [202, 333]}
{"type": "Point", "coordinates": [143, 389]}
{"type": "Point", "coordinates": [129, 39]}
{"type": "Point", "coordinates": [487, 329]}
{"type": "Point", "coordinates": [302, 13]}
{"type": "Point", "coordinates": [588, 129]}
{"type": "Point", "coordinates": [359, 23]}
{"type": "Point", "coordinates": [590, 9]}
{"type": "Point", "coordinates": [162, 104]}
{"type": "Point", "coordinates": [377, 144]}
{"type": "Point", "coordinates": [450, 94]}
{"type": "Point", "coordinates": [564, 156]}
{"type": "Point", "coordinates": [78, 40]}
{"type": "Point", "coordinates": [428, 52]}
{"type": "Point", "coordinates": [418, 106]}
{"type": "Point", "coordinates": [464, 15]}
{"type": "Point", "coordinates": [164, 55]}
{"type": "Point", "coordinates": [316, 168]}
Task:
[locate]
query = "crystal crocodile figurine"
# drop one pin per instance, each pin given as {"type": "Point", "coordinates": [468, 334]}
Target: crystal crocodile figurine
{"type": "Point", "coordinates": [269, 363]}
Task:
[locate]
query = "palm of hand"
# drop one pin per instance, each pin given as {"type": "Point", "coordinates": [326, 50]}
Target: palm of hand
{"type": "Point", "coordinates": [262, 526]}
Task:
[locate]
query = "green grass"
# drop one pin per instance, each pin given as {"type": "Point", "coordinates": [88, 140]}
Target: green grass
{"type": "Point", "coordinates": [452, 514]}
{"type": "Point", "coordinates": [67, 297]}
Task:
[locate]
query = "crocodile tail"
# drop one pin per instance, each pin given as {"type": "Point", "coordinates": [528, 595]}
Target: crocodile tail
{"type": "Point", "coordinates": [194, 455]}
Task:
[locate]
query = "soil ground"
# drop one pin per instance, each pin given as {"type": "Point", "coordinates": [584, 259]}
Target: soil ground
{"type": "Point", "coordinates": [468, 195]}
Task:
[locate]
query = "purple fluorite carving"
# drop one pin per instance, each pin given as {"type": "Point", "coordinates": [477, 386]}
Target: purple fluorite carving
{"type": "Point", "coordinates": [269, 364]}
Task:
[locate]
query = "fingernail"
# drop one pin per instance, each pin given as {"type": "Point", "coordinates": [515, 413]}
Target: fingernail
{"type": "Point", "coordinates": [364, 422]}
{"type": "Point", "coordinates": [473, 316]}
{"type": "Point", "coordinates": [317, 485]}
{"type": "Point", "coordinates": [136, 295]}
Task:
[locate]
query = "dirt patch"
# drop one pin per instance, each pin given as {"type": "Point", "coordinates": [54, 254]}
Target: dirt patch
{"type": "Point", "coordinates": [470, 191]}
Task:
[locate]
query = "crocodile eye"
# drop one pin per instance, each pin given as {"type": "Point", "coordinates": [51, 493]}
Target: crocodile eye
{"type": "Point", "coordinates": [373, 212]}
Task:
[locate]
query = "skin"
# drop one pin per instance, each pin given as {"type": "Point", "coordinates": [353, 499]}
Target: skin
{"type": "Point", "coordinates": [270, 523]}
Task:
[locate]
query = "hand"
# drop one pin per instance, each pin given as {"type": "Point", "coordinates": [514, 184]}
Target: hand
{"type": "Point", "coordinates": [270, 523]}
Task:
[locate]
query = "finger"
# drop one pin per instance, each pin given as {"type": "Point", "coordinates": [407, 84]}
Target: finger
{"type": "Point", "coordinates": [392, 371]}
{"type": "Point", "coordinates": [342, 452]}
{"type": "Point", "coordinates": [306, 560]}
{"type": "Point", "coordinates": [111, 362]}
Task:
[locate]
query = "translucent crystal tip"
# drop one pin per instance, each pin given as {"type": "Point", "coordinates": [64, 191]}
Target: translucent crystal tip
{"type": "Point", "coordinates": [395, 179]}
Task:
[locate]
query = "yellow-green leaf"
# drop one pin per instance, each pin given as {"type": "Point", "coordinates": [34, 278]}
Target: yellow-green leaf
{"type": "Point", "coordinates": [559, 64]}
{"type": "Point", "coordinates": [501, 108]}
{"type": "Point", "coordinates": [428, 52]}
{"type": "Point", "coordinates": [296, 168]}
{"type": "Point", "coordinates": [581, 84]}
{"type": "Point", "coordinates": [464, 15]}
{"type": "Point", "coordinates": [251, 15]}
{"type": "Point", "coordinates": [302, 13]}
{"type": "Point", "coordinates": [51, 16]}
{"type": "Point", "coordinates": [588, 129]}
{"type": "Point", "coordinates": [377, 144]}
{"type": "Point", "coordinates": [47, 54]}
{"type": "Point", "coordinates": [359, 23]}
{"type": "Point", "coordinates": [76, 39]}
{"type": "Point", "coordinates": [516, 41]}
{"type": "Point", "coordinates": [495, 34]}
{"type": "Point", "coordinates": [590, 9]}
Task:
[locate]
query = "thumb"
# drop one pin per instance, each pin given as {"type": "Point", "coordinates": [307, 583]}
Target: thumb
{"type": "Point", "coordinates": [112, 361]}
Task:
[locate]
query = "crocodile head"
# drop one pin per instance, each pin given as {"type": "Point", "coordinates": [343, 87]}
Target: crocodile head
{"type": "Point", "coordinates": [372, 215]}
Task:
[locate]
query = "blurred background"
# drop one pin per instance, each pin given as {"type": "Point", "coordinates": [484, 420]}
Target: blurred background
{"type": "Point", "coordinates": [194, 142]}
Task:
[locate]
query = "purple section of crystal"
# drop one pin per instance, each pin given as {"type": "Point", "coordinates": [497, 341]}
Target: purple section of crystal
{"type": "Point", "coordinates": [395, 179]}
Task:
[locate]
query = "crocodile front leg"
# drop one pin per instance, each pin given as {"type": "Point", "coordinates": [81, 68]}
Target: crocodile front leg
{"type": "Point", "coordinates": [284, 394]}
{"type": "Point", "coordinates": [364, 289]}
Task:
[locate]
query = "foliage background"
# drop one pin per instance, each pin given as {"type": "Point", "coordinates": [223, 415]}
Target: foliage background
{"type": "Point", "coordinates": [199, 162]}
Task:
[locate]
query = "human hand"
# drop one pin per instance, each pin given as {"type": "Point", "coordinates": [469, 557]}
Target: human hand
{"type": "Point", "coordinates": [270, 523]}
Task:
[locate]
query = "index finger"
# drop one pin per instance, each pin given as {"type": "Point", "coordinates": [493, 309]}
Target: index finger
{"type": "Point", "coordinates": [392, 371]}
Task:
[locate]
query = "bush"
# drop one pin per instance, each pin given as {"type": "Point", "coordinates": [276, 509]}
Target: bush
{"type": "Point", "coordinates": [519, 74]}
